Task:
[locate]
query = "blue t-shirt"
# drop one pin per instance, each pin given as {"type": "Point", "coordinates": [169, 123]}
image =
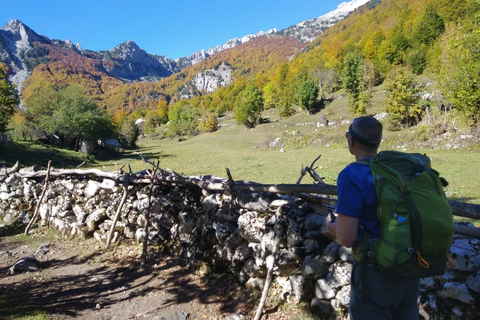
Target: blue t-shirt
{"type": "Point", "coordinates": [357, 197]}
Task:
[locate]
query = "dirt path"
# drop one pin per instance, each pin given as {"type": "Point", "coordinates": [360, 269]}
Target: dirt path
{"type": "Point", "coordinates": [78, 281]}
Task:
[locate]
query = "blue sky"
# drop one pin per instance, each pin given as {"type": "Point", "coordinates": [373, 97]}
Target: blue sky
{"type": "Point", "coordinates": [174, 28]}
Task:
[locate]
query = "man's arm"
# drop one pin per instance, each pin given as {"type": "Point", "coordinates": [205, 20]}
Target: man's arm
{"type": "Point", "coordinates": [345, 229]}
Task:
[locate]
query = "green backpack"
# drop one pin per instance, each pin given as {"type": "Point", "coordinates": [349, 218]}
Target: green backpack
{"type": "Point", "coordinates": [415, 217]}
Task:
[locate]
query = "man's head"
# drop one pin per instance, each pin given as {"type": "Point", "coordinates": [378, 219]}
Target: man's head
{"type": "Point", "coordinates": [365, 134]}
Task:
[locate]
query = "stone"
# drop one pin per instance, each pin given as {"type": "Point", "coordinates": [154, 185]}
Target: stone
{"type": "Point", "coordinates": [427, 283]}
{"type": "Point", "coordinates": [255, 284]}
{"type": "Point", "coordinates": [26, 264]}
{"type": "Point", "coordinates": [252, 270]}
{"type": "Point", "coordinates": [140, 234]}
{"type": "Point", "coordinates": [314, 222]}
{"type": "Point", "coordinates": [286, 286]}
{"type": "Point", "coordinates": [457, 291]}
{"type": "Point", "coordinates": [294, 235]}
{"type": "Point", "coordinates": [473, 282]}
{"type": "Point", "coordinates": [345, 254]}
{"type": "Point", "coordinates": [323, 290]}
{"type": "Point", "coordinates": [343, 296]}
{"type": "Point", "coordinates": [95, 218]}
{"type": "Point", "coordinates": [310, 246]}
{"type": "Point", "coordinates": [92, 188]}
{"type": "Point", "coordinates": [321, 308]}
{"type": "Point", "coordinates": [176, 315]}
{"type": "Point", "coordinates": [107, 184]}
{"type": "Point", "coordinates": [251, 227]}
{"type": "Point", "coordinates": [253, 201]}
{"type": "Point", "coordinates": [278, 203]}
{"type": "Point", "coordinates": [297, 283]}
{"type": "Point", "coordinates": [312, 268]}
{"type": "Point", "coordinates": [465, 256]}
{"type": "Point", "coordinates": [43, 249]}
{"type": "Point", "coordinates": [339, 275]}
{"type": "Point", "coordinates": [330, 254]}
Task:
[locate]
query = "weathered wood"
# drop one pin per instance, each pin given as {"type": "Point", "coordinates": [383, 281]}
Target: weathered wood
{"type": "Point", "coordinates": [467, 210]}
{"type": "Point", "coordinates": [271, 261]}
{"type": "Point", "coordinates": [5, 172]}
{"type": "Point", "coordinates": [461, 209]}
{"type": "Point", "coordinates": [117, 214]}
{"type": "Point", "coordinates": [45, 187]}
{"type": "Point", "coordinates": [467, 231]}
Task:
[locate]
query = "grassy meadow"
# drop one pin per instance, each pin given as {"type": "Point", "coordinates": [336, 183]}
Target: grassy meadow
{"type": "Point", "coordinates": [249, 154]}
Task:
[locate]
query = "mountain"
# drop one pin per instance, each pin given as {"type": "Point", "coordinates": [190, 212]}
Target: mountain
{"type": "Point", "coordinates": [308, 30]}
{"type": "Point", "coordinates": [128, 62]}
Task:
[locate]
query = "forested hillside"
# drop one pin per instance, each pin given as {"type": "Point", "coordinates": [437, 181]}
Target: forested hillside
{"type": "Point", "coordinates": [425, 52]}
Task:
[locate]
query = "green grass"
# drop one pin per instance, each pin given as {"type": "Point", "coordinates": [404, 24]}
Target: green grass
{"type": "Point", "coordinates": [14, 305]}
{"type": "Point", "coordinates": [248, 156]}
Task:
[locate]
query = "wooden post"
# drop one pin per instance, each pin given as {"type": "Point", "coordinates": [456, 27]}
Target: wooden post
{"type": "Point", "coordinates": [32, 221]}
{"type": "Point", "coordinates": [119, 210]}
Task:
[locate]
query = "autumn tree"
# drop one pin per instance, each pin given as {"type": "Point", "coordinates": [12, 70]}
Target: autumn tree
{"type": "Point", "coordinates": [248, 106]}
{"type": "Point", "coordinates": [327, 79]}
{"type": "Point", "coordinates": [402, 99]}
{"type": "Point", "coordinates": [8, 99]}
{"type": "Point", "coordinates": [458, 68]}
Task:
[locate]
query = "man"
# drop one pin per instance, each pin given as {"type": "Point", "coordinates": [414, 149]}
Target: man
{"type": "Point", "coordinates": [373, 295]}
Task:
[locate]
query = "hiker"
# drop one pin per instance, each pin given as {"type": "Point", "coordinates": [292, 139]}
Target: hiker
{"type": "Point", "coordinates": [374, 295]}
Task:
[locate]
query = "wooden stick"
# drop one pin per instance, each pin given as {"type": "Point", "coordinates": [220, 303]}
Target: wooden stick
{"type": "Point", "coordinates": [271, 262]}
{"type": "Point", "coordinates": [119, 210]}
{"type": "Point", "coordinates": [32, 221]}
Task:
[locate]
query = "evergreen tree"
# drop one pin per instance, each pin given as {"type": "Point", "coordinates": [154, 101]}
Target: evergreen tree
{"type": "Point", "coordinates": [8, 99]}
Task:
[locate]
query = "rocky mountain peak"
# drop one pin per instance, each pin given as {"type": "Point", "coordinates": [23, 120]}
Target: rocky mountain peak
{"type": "Point", "coordinates": [17, 31]}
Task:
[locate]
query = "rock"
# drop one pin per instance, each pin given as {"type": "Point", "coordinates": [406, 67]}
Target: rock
{"type": "Point", "coordinates": [457, 291]}
{"type": "Point", "coordinates": [107, 184]}
{"type": "Point", "coordinates": [297, 283]}
{"type": "Point", "coordinates": [43, 249]}
{"type": "Point", "coordinates": [255, 284]}
{"type": "Point", "coordinates": [310, 246]}
{"type": "Point", "coordinates": [235, 317]}
{"type": "Point", "coordinates": [286, 286]}
{"type": "Point", "coordinates": [252, 270]}
{"type": "Point", "coordinates": [473, 282]}
{"type": "Point", "coordinates": [427, 283]}
{"type": "Point", "coordinates": [251, 227]}
{"type": "Point", "coordinates": [314, 222]}
{"type": "Point", "coordinates": [26, 264]}
{"type": "Point", "coordinates": [323, 290]}
{"type": "Point", "coordinates": [321, 308]}
{"type": "Point", "coordinates": [140, 234]}
{"type": "Point", "coordinates": [339, 275]}
{"type": "Point", "coordinates": [253, 201]}
{"type": "Point", "coordinates": [343, 296]}
{"type": "Point", "coordinates": [330, 254]}
{"type": "Point", "coordinates": [465, 256]}
{"type": "Point", "coordinates": [176, 315]}
{"type": "Point", "coordinates": [345, 254]}
{"type": "Point", "coordinates": [92, 189]}
{"type": "Point", "coordinates": [312, 268]}
{"type": "Point", "coordinates": [95, 218]}
{"type": "Point", "coordinates": [294, 235]}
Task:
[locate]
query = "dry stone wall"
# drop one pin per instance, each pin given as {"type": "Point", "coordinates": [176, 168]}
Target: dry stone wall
{"type": "Point", "coordinates": [234, 231]}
